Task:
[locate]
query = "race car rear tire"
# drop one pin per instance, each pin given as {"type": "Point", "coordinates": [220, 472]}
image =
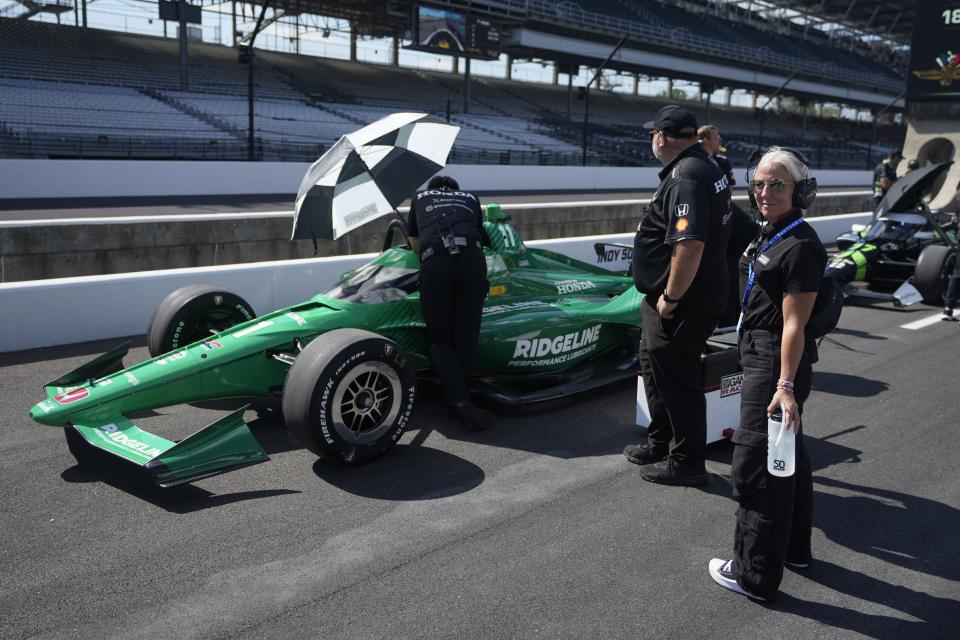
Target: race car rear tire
{"type": "Point", "coordinates": [932, 272]}
{"type": "Point", "coordinates": [192, 313]}
{"type": "Point", "coordinates": [349, 395]}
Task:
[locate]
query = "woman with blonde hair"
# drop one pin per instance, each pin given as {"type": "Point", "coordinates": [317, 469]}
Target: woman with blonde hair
{"type": "Point", "coordinates": [779, 279]}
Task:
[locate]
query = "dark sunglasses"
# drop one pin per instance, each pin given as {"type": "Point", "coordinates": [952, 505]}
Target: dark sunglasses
{"type": "Point", "coordinates": [776, 184]}
{"type": "Point", "coordinates": [653, 133]}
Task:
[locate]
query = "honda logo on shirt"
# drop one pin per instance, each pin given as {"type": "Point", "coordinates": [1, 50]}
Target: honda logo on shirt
{"type": "Point", "coordinates": [682, 210]}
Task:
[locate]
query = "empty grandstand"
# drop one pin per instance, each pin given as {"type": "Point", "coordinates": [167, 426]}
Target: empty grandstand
{"type": "Point", "coordinates": [75, 92]}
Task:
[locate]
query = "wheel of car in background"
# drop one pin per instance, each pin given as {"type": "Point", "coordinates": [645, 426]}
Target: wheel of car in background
{"type": "Point", "coordinates": [932, 272]}
{"type": "Point", "coordinates": [192, 313]}
{"type": "Point", "coordinates": [349, 395]}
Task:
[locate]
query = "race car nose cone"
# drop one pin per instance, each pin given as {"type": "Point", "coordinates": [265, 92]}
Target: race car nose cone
{"type": "Point", "coordinates": [46, 413]}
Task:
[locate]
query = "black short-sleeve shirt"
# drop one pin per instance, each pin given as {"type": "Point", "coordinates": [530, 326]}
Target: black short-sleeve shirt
{"type": "Point", "coordinates": [883, 170]}
{"type": "Point", "coordinates": [692, 202]}
{"type": "Point", "coordinates": [794, 264]}
{"type": "Point", "coordinates": [724, 163]}
{"type": "Point", "coordinates": [438, 212]}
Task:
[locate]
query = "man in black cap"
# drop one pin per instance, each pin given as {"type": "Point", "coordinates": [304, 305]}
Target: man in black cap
{"type": "Point", "coordinates": [679, 263]}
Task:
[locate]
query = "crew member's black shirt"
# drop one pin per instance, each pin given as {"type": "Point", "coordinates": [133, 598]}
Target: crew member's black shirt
{"type": "Point", "coordinates": [794, 264]}
{"type": "Point", "coordinates": [437, 212]}
{"type": "Point", "coordinates": [724, 163]}
{"type": "Point", "coordinates": [883, 170]}
{"type": "Point", "coordinates": [692, 202]}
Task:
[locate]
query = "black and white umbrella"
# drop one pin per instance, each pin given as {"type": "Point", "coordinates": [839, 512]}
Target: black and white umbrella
{"type": "Point", "coordinates": [367, 173]}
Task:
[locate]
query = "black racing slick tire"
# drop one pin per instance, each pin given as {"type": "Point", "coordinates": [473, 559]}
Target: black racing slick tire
{"type": "Point", "coordinates": [349, 395]}
{"type": "Point", "coordinates": [932, 272]}
{"type": "Point", "coordinates": [192, 313]}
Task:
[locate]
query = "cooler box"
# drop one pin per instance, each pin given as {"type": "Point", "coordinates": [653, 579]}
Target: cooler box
{"type": "Point", "coordinates": [721, 377]}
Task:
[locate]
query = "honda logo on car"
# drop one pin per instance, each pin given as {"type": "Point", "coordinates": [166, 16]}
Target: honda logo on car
{"type": "Point", "coordinates": [570, 286]}
{"type": "Point", "coordinates": [730, 385]}
{"type": "Point", "coordinates": [568, 346]}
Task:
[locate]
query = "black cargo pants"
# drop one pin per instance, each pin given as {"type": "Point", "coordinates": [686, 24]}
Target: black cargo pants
{"type": "Point", "coordinates": [775, 515]}
{"type": "Point", "coordinates": [670, 352]}
{"type": "Point", "coordinates": [452, 291]}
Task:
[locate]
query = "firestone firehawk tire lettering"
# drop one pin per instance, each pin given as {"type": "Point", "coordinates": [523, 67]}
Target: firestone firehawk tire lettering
{"type": "Point", "coordinates": [190, 313]}
{"type": "Point", "coordinates": [349, 395]}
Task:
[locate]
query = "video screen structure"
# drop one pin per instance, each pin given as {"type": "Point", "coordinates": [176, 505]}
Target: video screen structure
{"type": "Point", "coordinates": [453, 33]}
{"type": "Point", "coordinates": [935, 53]}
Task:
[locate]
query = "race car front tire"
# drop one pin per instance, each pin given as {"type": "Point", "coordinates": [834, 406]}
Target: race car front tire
{"type": "Point", "coordinates": [932, 272]}
{"type": "Point", "coordinates": [192, 313]}
{"type": "Point", "coordinates": [349, 394]}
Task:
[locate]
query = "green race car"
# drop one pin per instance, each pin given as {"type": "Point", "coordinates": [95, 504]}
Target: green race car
{"type": "Point", "coordinates": [343, 366]}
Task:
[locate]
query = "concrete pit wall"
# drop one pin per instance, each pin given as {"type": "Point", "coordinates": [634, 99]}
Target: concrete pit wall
{"type": "Point", "coordinates": [60, 249]}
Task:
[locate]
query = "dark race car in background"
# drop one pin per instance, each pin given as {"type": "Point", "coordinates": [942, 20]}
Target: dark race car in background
{"type": "Point", "coordinates": [906, 247]}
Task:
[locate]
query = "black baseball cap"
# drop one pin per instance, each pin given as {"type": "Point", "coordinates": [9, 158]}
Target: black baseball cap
{"type": "Point", "coordinates": [675, 121]}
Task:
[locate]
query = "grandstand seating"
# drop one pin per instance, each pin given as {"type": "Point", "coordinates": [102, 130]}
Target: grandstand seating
{"type": "Point", "coordinates": [67, 92]}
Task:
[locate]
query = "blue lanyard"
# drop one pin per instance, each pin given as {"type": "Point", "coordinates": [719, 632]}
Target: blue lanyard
{"type": "Point", "coordinates": [751, 274]}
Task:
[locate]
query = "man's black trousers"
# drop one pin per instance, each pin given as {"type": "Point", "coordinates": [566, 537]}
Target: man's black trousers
{"type": "Point", "coordinates": [670, 363]}
{"type": "Point", "coordinates": [775, 514]}
{"type": "Point", "coordinates": [953, 283]}
{"type": "Point", "coordinates": [452, 290]}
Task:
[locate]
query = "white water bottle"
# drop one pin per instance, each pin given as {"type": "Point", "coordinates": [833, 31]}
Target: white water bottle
{"type": "Point", "coordinates": [781, 442]}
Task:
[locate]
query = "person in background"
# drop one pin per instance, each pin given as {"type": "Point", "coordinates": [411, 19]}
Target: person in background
{"type": "Point", "coordinates": [950, 297]}
{"type": "Point", "coordinates": [780, 276]}
{"type": "Point", "coordinates": [743, 227]}
{"type": "Point", "coordinates": [884, 175]}
{"type": "Point", "coordinates": [911, 165]}
{"type": "Point", "coordinates": [446, 229]}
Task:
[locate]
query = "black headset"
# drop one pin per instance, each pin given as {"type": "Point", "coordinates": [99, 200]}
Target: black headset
{"type": "Point", "coordinates": [803, 192]}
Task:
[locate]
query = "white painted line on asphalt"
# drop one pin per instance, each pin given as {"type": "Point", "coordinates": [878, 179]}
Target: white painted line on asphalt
{"type": "Point", "coordinates": [920, 324]}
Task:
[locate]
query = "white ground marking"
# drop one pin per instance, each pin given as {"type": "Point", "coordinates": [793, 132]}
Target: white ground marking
{"type": "Point", "coordinates": [920, 324]}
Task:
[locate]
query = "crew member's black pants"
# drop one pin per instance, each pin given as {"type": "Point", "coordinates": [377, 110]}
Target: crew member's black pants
{"type": "Point", "coordinates": [953, 284]}
{"type": "Point", "coordinates": [452, 290]}
{"type": "Point", "coordinates": [775, 514]}
{"type": "Point", "coordinates": [670, 363]}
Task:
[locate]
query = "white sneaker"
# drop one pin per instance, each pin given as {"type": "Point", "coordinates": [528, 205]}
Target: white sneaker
{"type": "Point", "coordinates": [947, 315]}
{"type": "Point", "coordinates": [722, 573]}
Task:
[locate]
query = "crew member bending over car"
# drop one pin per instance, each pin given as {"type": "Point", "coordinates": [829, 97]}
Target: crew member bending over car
{"type": "Point", "coordinates": [446, 229]}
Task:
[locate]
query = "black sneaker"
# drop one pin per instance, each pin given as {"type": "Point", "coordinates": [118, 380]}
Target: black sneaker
{"type": "Point", "coordinates": [673, 473]}
{"type": "Point", "coordinates": [722, 573]}
{"type": "Point", "coordinates": [947, 315]}
{"type": "Point", "coordinates": [643, 453]}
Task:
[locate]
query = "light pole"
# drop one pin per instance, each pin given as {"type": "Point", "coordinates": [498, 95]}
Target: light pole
{"type": "Point", "coordinates": [873, 134]}
{"type": "Point", "coordinates": [586, 97]}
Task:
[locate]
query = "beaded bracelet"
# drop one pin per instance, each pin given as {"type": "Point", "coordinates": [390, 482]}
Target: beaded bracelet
{"type": "Point", "coordinates": [785, 385]}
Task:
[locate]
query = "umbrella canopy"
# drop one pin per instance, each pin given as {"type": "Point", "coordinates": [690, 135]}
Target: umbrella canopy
{"type": "Point", "coordinates": [904, 194]}
{"type": "Point", "coordinates": [367, 173]}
